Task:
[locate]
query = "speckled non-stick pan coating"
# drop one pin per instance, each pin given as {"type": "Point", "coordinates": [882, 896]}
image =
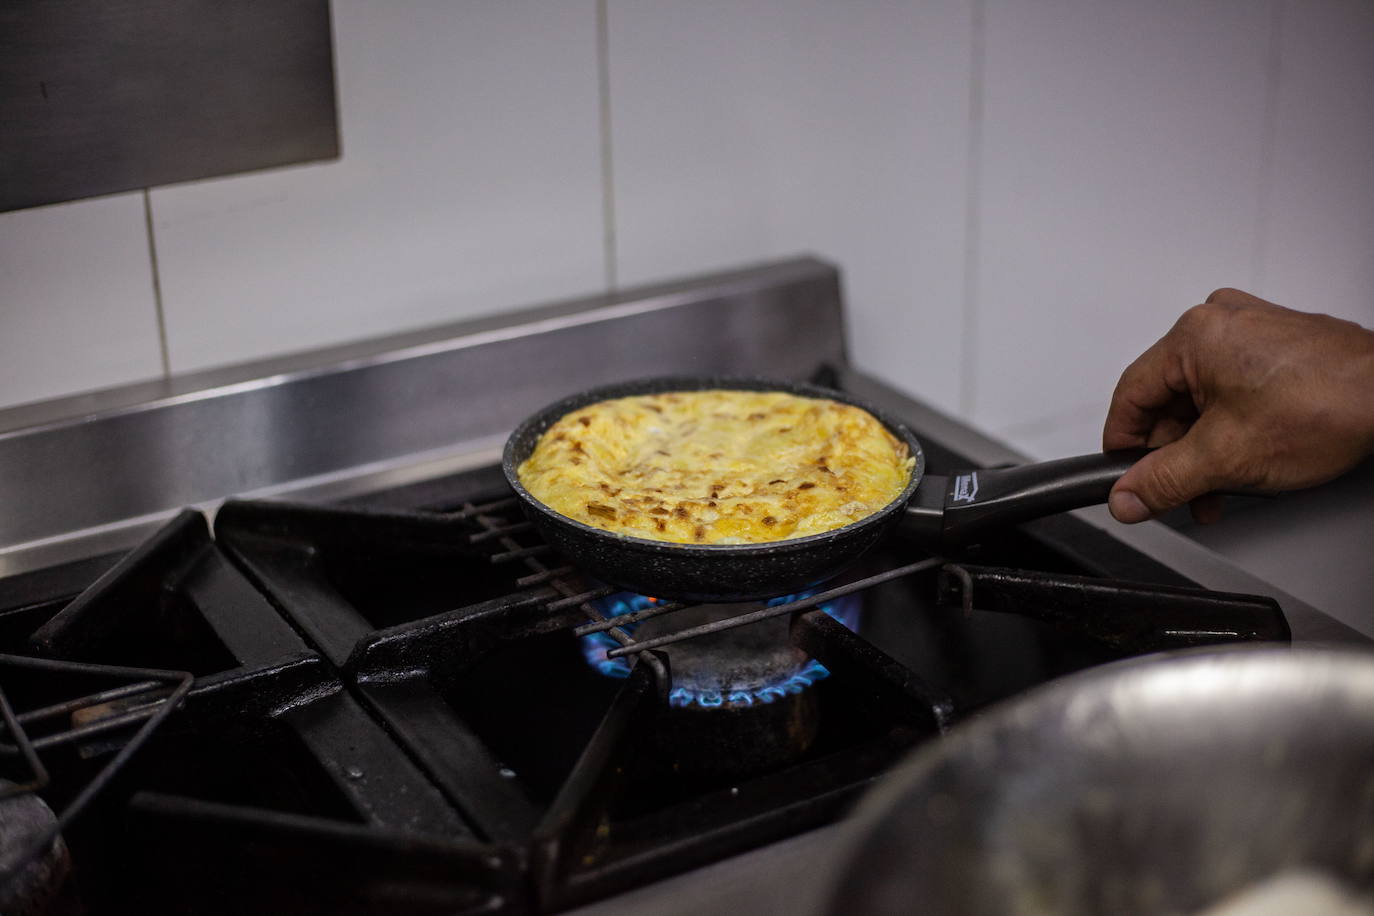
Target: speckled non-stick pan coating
{"type": "Point", "coordinates": [704, 572]}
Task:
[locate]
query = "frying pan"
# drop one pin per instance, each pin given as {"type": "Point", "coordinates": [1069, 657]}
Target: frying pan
{"type": "Point", "coordinates": [939, 511]}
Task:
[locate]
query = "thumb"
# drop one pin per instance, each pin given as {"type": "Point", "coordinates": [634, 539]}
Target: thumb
{"type": "Point", "coordinates": [1167, 477]}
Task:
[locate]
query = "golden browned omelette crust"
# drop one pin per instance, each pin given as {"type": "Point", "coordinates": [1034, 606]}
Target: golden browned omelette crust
{"type": "Point", "coordinates": [717, 467]}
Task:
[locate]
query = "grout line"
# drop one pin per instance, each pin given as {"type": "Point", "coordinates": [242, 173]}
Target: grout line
{"type": "Point", "coordinates": [968, 356]}
{"type": "Point", "coordinates": [157, 286]}
{"type": "Point", "coordinates": [1259, 256]}
{"type": "Point", "coordinates": [603, 63]}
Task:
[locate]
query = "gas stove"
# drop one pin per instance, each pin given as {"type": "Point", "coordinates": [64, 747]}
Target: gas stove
{"type": "Point", "coordinates": [350, 677]}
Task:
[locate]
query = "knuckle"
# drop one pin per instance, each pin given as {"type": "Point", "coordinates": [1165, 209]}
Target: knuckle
{"type": "Point", "coordinates": [1171, 487]}
{"type": "Point", "coordinates": [1128, 376]}
{"type": "Point", "coordinates": [1197, 317]}
{"type": "Point", "coordinates": [1167, 491]}
{"type": "Point", "coordinates": [1229, 298]}
{"type": "Point", "coordinates": [1209, 320]}
{"type": "Point", "coordinates": [1118, 398]}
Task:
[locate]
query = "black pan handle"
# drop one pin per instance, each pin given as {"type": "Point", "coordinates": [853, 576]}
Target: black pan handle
{"type": "Point", "coordinates": [958, 508]}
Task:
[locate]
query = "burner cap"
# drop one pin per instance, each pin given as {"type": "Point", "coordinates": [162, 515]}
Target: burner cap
{"type": "Point", "coordinates": [739, 701]}
{"type": "Point", "coordinates": [741, 666]}
{"type": "Point", "coordinates": [734, 667]}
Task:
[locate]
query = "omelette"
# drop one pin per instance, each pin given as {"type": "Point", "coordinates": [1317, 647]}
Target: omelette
{"type": "Point", "coordinates": [717, 466]}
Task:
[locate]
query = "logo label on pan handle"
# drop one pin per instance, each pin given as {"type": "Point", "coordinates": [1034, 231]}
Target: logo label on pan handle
{"type": "Point", "coordinates": [965, 487]}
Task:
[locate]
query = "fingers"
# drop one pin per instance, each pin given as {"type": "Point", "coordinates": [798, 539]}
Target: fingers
{"type": "Point", "coordinates": [1170, 397]}
{"type": "Point", "coordinates": [1148, 386]}
{"type": "Point", "coordinates": [1172, 422]}
{"type": "Point", "coordinates": [1167, 477]}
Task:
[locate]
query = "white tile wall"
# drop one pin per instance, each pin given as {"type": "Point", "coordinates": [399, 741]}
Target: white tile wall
{"type": "Point", "coordinates": [746, 131]}
{"type": "Point", "coordinates": [470, 182]}
{"type": "Point", "coordinates": [1120, 171]}
{"type": "Point", "coordinates": [1320, 200]}
{"type": "Point", "coordinates": [1127, 158]}
{"type": "Point", "coordinates": [76, 299]}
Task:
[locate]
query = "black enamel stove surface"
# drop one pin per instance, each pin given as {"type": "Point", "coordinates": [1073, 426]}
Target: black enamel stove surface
{"type": "Point", "coordinates": [391, 710]}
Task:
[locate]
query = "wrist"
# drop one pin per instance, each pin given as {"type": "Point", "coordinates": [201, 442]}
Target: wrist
{"type": "Point", "coordinates": [1362, 391]}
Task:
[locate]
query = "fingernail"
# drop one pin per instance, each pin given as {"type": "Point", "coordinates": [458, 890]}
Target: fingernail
{"type": "Point", "coordinates": [1127, 507]}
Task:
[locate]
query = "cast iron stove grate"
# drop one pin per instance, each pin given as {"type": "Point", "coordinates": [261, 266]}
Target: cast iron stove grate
{"type": "Point", "coordinates": [542, 754]}
{"type": "Point", "coordinates": [265, 785]}
{"type": "Point", "coordinates": [495, 701]}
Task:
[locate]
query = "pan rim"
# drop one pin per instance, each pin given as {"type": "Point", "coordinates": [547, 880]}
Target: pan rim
{"type": "Point", "coordinates": [654, 384]}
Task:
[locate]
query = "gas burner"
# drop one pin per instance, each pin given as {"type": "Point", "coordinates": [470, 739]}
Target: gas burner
{"type": "Point", "coordinates": [739, 701]}
{"type": "Point", "coordinates": [741, 667]}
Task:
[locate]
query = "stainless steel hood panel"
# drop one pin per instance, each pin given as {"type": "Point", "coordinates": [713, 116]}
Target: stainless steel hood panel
{"type": "Point", "coordinates": [97, 469]}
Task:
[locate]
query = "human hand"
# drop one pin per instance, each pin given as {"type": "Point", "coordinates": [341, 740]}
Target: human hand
{"type": "Point", "coordinates": [1241, 393]}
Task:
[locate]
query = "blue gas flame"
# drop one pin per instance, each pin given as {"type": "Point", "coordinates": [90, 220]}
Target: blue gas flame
{"type": "Point", "coordinates": [596, 645]}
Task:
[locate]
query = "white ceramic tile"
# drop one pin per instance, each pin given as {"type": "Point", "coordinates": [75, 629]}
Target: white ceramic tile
{"type": "Point", "coordinates": [746, 131]}
{"type": "Point", "coordinates": [470, 182]}
{"type": "Point", "coordinates": [1120, 176]}
{"type": "Point", "coordinates": [76, 299]}
{"type": "Point", "coordinates": [1076, 431]}
{"type": "Point", "coordinates": [1320, 241]}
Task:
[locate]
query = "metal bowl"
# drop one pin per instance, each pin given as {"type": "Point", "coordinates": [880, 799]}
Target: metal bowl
{"type": "Point", "coordinates": [1153, 786]}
